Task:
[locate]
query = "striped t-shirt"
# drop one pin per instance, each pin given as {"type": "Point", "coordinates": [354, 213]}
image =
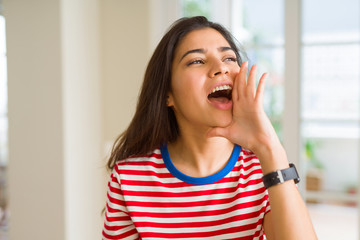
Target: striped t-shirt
{"type": "Point", "coordinates": [148, 198]}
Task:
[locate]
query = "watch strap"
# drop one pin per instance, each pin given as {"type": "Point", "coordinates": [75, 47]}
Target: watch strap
{"type": "Point", "coordinates": [280, 176]}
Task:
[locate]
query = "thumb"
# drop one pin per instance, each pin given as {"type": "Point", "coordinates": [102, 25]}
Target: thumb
{"type": "Point", "coordinates": [218, 132]}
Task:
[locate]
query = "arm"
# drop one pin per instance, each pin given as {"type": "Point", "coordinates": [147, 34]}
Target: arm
{"type": "Point", "coordinates": [252, 129]}
{"type": "Point", "coordinates": [118, 224]}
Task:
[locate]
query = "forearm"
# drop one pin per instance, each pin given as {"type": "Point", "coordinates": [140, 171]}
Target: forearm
{"type": "Point", "coordinates": [289, 216]}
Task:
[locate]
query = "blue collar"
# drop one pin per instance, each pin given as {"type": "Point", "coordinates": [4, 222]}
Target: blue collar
{"type": "Point", "coordinates": [203, 180]}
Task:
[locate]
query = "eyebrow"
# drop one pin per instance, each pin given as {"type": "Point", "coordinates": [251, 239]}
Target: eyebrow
{"type": "Point", "coordinates": [201, 50]}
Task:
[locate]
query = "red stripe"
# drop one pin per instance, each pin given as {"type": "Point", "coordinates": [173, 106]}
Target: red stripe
{"type": "Point", "coordinates": [190, 194]}
{"type": "Point", "coordinates": [120, 236]}
{"type": "Point", "coordinates": [145, 173]}
{"type": "Point", "coordinates": [236, 229]}
{"type": "Point", "coordinates": [119, 218]}
{"type": "Point", "coordinates": [246, 152]}
{"type": "Point", "coordinates": [169, 175]}
{"type": "Point", "coordinates": [115, 200]}
{"type": "Point", "coordinates": [198, 213]}
{"type": "Point", "coordinates": [191, 224]}
{"type": "Point", "coordinates": [172, 204]}
{"type": "Point", "coordinates": [141, 163]}
{"type": "Point", "coordinates": [115, 190]}
{"type": "Point", "coordinates": [234, 180]}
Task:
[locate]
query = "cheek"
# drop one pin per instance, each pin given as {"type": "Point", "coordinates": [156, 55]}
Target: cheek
{"type": "Point", "coordinates": [235, 70]}
{"type": "Point", "coordinates": [187, 85]}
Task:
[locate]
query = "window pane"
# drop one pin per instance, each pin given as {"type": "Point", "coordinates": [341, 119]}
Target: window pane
{"type": "Point", "coordinates": [196, 8]}
{"type": "Point", "coordinates": [331, 21]}
{"type": "Point", "coordinates": [325, 157]}
{"type": "Point", "coordinates": [262, 21]}
{"type": "Point", "coordinates": [259, 26]}
{"type": "Point", "coordinates": [271, 60]}
{"type": "Point", "coordinates": [331, 82]}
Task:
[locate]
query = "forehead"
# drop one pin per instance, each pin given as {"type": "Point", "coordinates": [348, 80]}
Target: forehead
{"type": "Point", "coordinates": [201, 38]}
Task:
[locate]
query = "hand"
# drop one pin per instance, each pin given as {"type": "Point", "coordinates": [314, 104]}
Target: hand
{"type": "Point", "coordinates": [250, 127]}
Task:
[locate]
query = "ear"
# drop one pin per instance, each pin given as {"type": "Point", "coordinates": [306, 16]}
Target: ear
{"type": "Point", "coordinates": [169, 100]}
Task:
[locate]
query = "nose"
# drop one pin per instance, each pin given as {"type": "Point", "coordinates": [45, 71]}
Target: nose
{"type": "Point", "coordinates": [218, 68]}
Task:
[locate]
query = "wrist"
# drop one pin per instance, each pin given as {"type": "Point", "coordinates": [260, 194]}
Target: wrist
{"type": "Point", "coordinates": [272, 158]}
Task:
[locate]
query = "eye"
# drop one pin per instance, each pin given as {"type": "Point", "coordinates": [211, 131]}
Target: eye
{"type": "Point", "coordinates": [197, 61]}
{"type": "Point", "coordinates": [231, 59]}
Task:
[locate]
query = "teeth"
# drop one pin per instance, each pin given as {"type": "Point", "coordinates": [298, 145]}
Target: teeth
{"type": "Point", "coordinates": [219, 88]}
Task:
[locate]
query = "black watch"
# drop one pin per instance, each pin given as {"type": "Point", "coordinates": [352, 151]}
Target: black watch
{"type": "Point", "coordinates": [281, 176]}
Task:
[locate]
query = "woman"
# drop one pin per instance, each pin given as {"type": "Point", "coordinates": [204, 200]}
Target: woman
{"type": "Point", "coordinates": [195, 158]}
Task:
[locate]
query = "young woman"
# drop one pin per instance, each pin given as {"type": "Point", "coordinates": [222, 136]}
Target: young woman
{"type": "Point", "coordinates": [200, 159]}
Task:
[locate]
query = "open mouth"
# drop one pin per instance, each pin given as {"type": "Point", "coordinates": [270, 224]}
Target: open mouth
{"type": "Point", "coordinates": [221, 94]}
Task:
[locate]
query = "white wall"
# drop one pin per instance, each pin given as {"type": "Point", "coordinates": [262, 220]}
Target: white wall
{"type": "Point", "coordinates": [125, 53]}
{"type": "Point", "coordinates": [36, 150]}
{"type": "Point", "coordinates": [130, 31]}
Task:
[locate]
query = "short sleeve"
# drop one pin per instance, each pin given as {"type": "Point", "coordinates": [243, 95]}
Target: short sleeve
{"type": "Point", "coordinates": [117, 223]}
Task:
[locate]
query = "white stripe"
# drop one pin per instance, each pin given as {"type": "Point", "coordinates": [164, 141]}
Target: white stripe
{"type": "Point", "coordinates": [115, 214]}
{"type": "Point", "coordinates": [226, 185]}
{"type": "Point", "coordinates": [187, 209]}
{"type": "Point", "coordinates": [144, 168]}
{"type": "Point", "coordinates": [150, 178]}
{"type": "Point", "coordinates": [176, 180]}
{"type": "Point", "coordinates": [194, 188]}
{"type": "Point", "coordinates": [202, 218]}
{"type": "Point", "coordinates": [184, 199]}
{"type": "Point", "coordinates": [200, 229]}
{"type": "Point", "coordinates": [118, 207]}
{"type": "Point", "coordinates": [123, 230]}
{"type": "Point", "coordinates": [118, 223]}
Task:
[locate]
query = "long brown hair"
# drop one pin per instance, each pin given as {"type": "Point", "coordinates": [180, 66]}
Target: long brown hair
{"type": "Point", "coordinates": [154, 123]}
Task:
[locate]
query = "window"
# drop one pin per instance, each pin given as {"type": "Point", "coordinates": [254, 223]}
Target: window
{"type": "Point", "coordinates": [263, 40]}
{"type": "Point", "coordinates": [330, 112]}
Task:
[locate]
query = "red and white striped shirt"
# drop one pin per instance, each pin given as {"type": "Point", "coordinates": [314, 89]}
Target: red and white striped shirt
{"type": "Point", "coordinates": [148, 198]}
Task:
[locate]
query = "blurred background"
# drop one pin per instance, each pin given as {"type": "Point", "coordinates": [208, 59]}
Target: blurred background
{"type": "Point", "coordinates": [70, 72]}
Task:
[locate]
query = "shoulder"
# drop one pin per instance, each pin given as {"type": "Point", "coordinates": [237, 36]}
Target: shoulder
{"type": "Point", "coordinates": [151, 157]}
{"type": "Point", "coordinates": [249, 162]}
{"type": "Point", "coordinates": [145, 164]}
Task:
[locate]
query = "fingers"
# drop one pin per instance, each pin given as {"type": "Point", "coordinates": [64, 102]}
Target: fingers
{"type": "Point", "coordinates": [261, 88]}
{"type": "Point", "coordinates": [240, 81]}
{"type": "Point", "coordinates": [251, 82]}
{"type": "Point", "coordinates": [246, 86]}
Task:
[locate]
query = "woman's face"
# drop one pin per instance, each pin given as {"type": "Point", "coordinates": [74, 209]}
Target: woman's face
{"type": "Point", "coordinates": [203, 72]}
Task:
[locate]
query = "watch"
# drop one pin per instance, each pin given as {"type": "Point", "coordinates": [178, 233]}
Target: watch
{"type": "Point", "coordinates": [280, 176]}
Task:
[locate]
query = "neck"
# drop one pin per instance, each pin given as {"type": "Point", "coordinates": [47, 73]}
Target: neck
{"type": "Point", "coordinates": [196, 155]}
